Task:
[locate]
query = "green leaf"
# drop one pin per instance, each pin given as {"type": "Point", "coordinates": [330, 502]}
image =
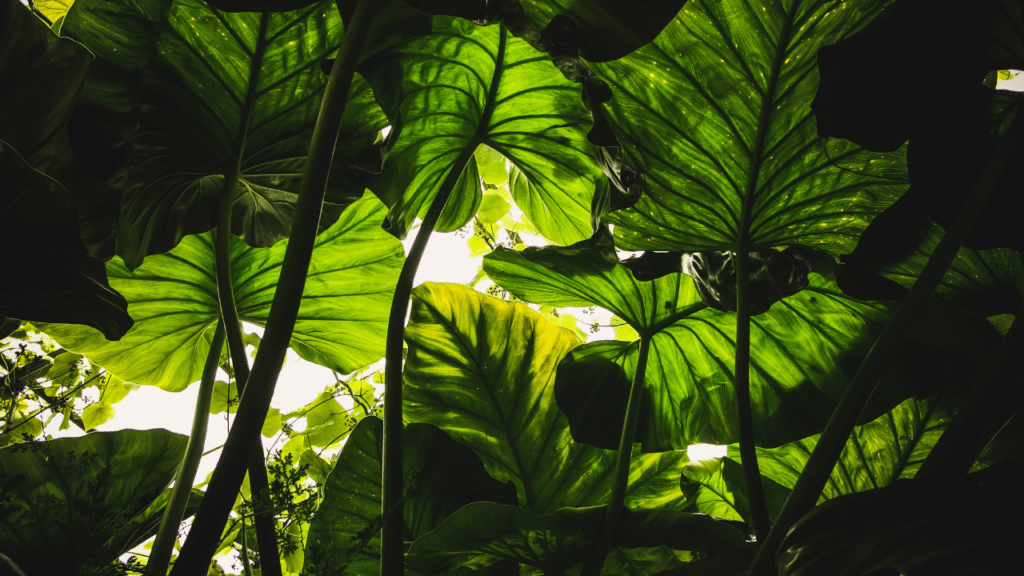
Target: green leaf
{"type": "Point", "coordinates": [96, 414]}
{"type": "Point", "coordinates": [91, 22]}
{"type": "Point", "coordinates": [260, 5]}
{"type": "Point", "coordinates": [441, 477]}
{"type": "Point", "coordinates": [272, 423]}
{"type": "Point", "coordinates": [253, 106]}
{"type": "Point", "coordinates": [225, 397]}
{"type": "Point", "coordinates": [491, 165]}
{"type": "Point", "coordinates": [73, 494]}
{"type": "Point", "coordinates": [327, 422]}
{"type": "Point", "coordinates": [715, 114]}
{"type": "Point", "coordinates": [723, 492]}
{"type": "Point", "coordinates": [144, 525]}
{"type": "Point", "coordinates": [53, 9]}
{"type": "Point", "coordinates": [174, 300]}
{"type": "Point", "coordinates": [483, 533]}
{"type": "Point", "coordinates": [465, 85]}
{"type": "Point", "coordinates": [55, 280]}
{"type": "Point", "coordinates": [492, 208]}
{"type": "Point", "coordinates": [41, 75]}
{"type": "Point", "coordinates": [804, 351]}
{"type": "Point", "coordinates": [483, 370]}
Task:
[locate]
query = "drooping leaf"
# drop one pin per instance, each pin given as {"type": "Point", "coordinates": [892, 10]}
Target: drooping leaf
{"type": "Point", "coordinates": [235, 90]}
{"type": "Point", "coordinates": [484, 533]}
{"type": "Point", "coordinates": [174, 300]}
{"type": "Point", "coordinates": [483, 370]}
{"type": "Point", "coordinates": [867, 96]}
{"type": "Point", "coordinates": [144, 525]}
{"type": "Point", "coordinates": [40, 76]}
{"type": "Point", "coordinates": [946, 525]}
{"type": "Point", "coordinates": [464, 85]}
{"type": "Point", "coordinates": [441, 477]}
{"type": "Point", "coordinates": [73, 494]}
{"type": "Point", "coordinates": [804, 351]}
{"type": "Point", "coordinates": [723, 492]}
{"type": "Point", "coordinates": [715, 113]}
{"type": "Point", "coordinates": [55, 280]}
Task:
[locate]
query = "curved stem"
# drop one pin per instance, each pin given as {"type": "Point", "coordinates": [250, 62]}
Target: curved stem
{"type": "Point", "coordinates": [830, 445]}
{"type": "Point", "coordinates": [392, 553]}
{"type": "Point", "coordinates": [616, 502]}
{"type": "Point", "coordinates": [197, 553]}
{"type": "Point", "coordinates": [960, 445]}
{"type": "Point", "coordinates": [167, 533]}
{"type": "Point", "coordinates": [748, 451]}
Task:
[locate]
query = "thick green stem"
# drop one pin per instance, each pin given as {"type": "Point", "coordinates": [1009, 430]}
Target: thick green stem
{"type": "Point", "coordinates": [264, 521]}
{"type": "Point", "coordinates": [167, 533]}
{"type": "Point", "coordinates": [197, 553]}
{"type": "Point", "coordinates": [748, 452]}
{"type": "Point", "coordinates": [830, 445]}
{"type": "Point", "coordinates": [617, 499]}
{"type": "Point", "coordinates": [392, 554]}
{"type": "Point", "coordinates": [964, 439]}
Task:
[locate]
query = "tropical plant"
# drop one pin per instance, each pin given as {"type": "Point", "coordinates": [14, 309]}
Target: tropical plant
{"type": "Point", "coordinates": [803, 255]}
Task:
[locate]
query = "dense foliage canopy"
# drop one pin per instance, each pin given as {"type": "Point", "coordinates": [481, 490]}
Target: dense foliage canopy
{"type": "Point", "coordinates": [797, 217]}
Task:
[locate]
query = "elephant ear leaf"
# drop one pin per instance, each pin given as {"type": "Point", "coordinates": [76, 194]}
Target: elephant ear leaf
{"type": "Point", "coordinates": [731, 157]}
{"type": "Point", "coordinates": [242, 119]}
{"type": "Point", "coordinates": [260, 5]}
{"type": "Point", "coordinates": [55, 279]}
{"type": "Point", "coordinates": [442, 477]}
{"type": "Point", "coordinates": [353, 274]}
{"type": "Point", "coordinates": [72, 494]}
{"type": "Point", "coordinates": [462, 86]}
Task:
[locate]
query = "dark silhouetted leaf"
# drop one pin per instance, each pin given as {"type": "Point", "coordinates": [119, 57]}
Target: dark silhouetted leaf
{"type": "Point", "coordinates": [55, 280]}
{"type": "Point", "coordinates": [82, 496]}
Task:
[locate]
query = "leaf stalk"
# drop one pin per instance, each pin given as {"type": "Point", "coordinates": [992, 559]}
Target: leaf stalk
{"type": "Point", "coordinates": [167, 533]}
{"type": "Point", "coordinates": [617, 499]}
{"type": "Point", "coordinates": [199, 548]}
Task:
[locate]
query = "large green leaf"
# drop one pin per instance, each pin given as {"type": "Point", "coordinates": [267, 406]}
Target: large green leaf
{"type": "Point", "coordinates": [441, 477]}
{"type": "Point", "coordinates": [484, 533]}
{"type": "Point", "coordinates": [483, 370]}
{"type": "Point", "coordinates": [461, 86]}
{"type": "Point", "coordinates": [73, 494]}
{"type": "Point", "coordinates": [173, 298]}
{"type": "Point", "coordinates": [723, 491]}
{"type": "Point", "coordinates": [54, 279]}
{"type": "Point", "coordinates": [804, 351]}
{"type": "Point", "coordinates": [40, 76]}
{"type": "Point", "coordinates": [716, 115]}
{"type": "Point", "coordinates": [233, 90]}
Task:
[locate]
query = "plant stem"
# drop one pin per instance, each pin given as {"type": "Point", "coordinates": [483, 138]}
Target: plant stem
{"type": "Point", "coordinates": [197, 553]}
{"type": "Point", "coordinates": [830, 445]}
{"type": "Point", "coordinates": [392, 552]}
{"type": "Point", "coordinates": [167, 533]}
{"type": "Point", "coordinates": [617, 499]}
{"type": "Point", "coordinates": [246, 569]}
{"type": "Point", "coordinates": [748, 451]}
{"type": "Point", "coordinates": [960, 445]}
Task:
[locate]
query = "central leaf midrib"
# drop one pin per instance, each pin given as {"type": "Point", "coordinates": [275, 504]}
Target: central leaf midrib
{"type": "Point", "coordinates": [757, 152]}
{"type": "Point", "coordinates": [255, 67]}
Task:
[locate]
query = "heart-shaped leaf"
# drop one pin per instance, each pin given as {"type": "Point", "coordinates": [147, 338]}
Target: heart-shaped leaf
{"type": "Point", "coordinates": [441, 477]}
{"type": "Point", "coordinates": [715, 113]}
{"type": "Point", "coordinates": [483, 370]}
{"type": "Point", "coordinates": [227, 93]}
{"type": "Point", "coordinates": [73, 494]}
{"type": "Point", "coordinates": [463, 85]}
{"type": "Point", "coordinates": [173, 298]}
{"type": "Point", "coordinates": [804, 351]}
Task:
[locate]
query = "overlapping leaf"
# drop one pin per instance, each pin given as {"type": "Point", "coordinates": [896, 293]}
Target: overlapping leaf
{"type": "Point", "coordinates": [461, 86]}
{"type": "Point", "coordinates": [225, 91]}
{"type": "Point", "coordinates": [74, 494]}
{"type": "Point", "coordinates": [716, 115]}
{"type": "Point", "coordinates": [55, 280]}
{"type": "Point", "coordinates": [173, 298]}
{"type": "Point", "coordinates": [483, 370]}
{"type": "Point", "coordinates": [804, 351]}
{"type": "Point", "coordinates": [441, 477]}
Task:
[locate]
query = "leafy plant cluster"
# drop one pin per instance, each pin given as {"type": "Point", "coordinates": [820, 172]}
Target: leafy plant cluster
{"type": "Point", "coordinates": [825, 276]}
